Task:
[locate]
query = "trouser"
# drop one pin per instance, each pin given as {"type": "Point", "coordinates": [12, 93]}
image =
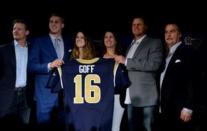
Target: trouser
{"type": "Point", "coordinates": [140, 118]}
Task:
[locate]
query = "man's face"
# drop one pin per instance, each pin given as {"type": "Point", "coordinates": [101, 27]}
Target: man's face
{"type": "Point", "coordinates": [55, 25]}
{"type": "Point", "coordinates": [138, 27]}
{"type": "Point", "coordinates": [19, 31]}
{"type": "Point", "coordinates": [172, 35]}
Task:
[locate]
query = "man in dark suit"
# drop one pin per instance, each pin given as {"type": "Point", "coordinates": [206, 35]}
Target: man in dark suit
{"type": "Point", "coordinates": [176, 82]}
{"type": "Point", "coordinates": [143, 60]}
{"type": "Point", "coordinates": [14, 110]}
{"type": "Point", "coordinates": [47, 53]}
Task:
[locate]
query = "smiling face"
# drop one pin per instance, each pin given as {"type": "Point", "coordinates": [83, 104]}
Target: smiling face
{"type": "Point", "coordinates": [56, 25]}
{"type": "Point", "coordinates": [172, 34]}
{"type": "Point", "coordinates": [109, 40]}
{"type": "Point", "coordinates": [80, 40]}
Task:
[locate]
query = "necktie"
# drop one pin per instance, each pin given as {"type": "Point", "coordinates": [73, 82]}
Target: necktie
{"type": "Point", "coordinates": [57, 47]}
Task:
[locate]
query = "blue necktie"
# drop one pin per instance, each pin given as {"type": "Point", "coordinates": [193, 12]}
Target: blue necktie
{"type": "Point", "coordinates": [57, 47]}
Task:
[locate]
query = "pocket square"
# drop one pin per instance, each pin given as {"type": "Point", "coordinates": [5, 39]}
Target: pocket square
{"type": "Point", "coordinates": [177, 61]}
{"type": "Point", "coordinates": [69, 50]}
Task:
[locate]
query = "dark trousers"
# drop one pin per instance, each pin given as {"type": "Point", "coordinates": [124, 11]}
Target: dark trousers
{"type": "Point", "coordinates": [18, 115]}
{"type": "Point", "coordinates": [140, 118]}
{"type": "Point", "coordinates": [54, 118]}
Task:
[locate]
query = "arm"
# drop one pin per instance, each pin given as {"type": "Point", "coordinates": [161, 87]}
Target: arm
{"type": "Point", "coordinates": [35, 64]}
{"type": "Point", "coordinates": [121, 79]}
{"type": "Point", "coordinates": [186, 112]}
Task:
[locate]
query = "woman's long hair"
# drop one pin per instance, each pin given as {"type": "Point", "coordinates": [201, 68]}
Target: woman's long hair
{"type": "Point", "coordinates": [88, 50]}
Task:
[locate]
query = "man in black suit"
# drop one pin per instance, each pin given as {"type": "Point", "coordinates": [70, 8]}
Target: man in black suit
{"type": "Point", "coordinates": [176, 83]}
{"type": "Point", "coordinates": [14, 110]}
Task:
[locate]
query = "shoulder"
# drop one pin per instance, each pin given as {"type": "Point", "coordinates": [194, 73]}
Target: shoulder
{"type": "Point", "coordinates": [150, 40]}
{"type": "Point", "coordinates": [6, 48]}
{"type": "Point", "coordinates": [41, 38]}
{"type": "Point", "coordinates": [186, 52]}
{"type": "Point", "coordinates": [187, 49]}
{"type": "Point", "coordinates": [153, 40]}
{"type": "Point", "coordinates": [67, 37]}
{"type": "Point", "coordinates": [7, 45]}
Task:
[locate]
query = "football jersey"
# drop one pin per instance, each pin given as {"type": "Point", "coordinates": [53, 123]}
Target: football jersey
{"type": "Point", "coordinates": [89, 93]}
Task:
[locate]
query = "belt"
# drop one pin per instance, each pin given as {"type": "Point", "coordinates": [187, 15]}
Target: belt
{"type": "Point", "coordinates": [18, 89]}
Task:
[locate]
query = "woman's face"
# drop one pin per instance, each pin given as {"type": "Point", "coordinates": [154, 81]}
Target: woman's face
{"type": "Point", "coordinates": [80, 40]}
{"type": "Point", "coordinates": [109, 40]}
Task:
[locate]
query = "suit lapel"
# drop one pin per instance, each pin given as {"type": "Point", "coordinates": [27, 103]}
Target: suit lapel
{"type": "Point", "coordinates": [174, 57]}
{"type": "Point", "coordinates": [12, 56]}
{"type": "Point", "coordinates": [66, 50]}
{"type": "Point", "coordinates": [127, 51]}
{"type": "Point", "coordinates": [50, 46]}
{"type": "Point", "coordinates": [141, 45]}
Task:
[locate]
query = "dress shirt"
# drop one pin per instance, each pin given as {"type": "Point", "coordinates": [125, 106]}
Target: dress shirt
{"type": "Point", "coordinates": [21, 54]}
{"type": "Point", "coordinates": [58, 45]}
{"type": "Point", "coordinates": [135, 44]}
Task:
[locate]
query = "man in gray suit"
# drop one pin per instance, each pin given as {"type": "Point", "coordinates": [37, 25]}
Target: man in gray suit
{"type": "Point", "coordinates": [142, 60]}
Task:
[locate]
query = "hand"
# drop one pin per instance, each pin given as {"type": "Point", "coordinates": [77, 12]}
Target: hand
{"type": "Point", "coordinates": [185, 116]}
{"type": "Point", "coordinates": [56, 63]}
{"type": "Point", "coordinates": [120, 59]}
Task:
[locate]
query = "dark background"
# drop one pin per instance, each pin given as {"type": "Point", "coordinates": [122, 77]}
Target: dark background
{"type": "Point", "coordinates": [97, 16]}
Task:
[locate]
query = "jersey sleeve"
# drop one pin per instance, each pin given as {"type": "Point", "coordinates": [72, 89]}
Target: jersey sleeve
{"type": "Point", "coordinates": [54, 82]}
{"type": "Point", "coordinates": [121, 78]}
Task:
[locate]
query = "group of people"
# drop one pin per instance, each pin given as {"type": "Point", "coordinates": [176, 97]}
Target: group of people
{"type": "Point", "coordinates": [159, 94]}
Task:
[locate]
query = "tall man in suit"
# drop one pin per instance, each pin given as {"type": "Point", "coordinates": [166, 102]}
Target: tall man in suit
{"type": "Point", "coordinates": [47, 53]}
{"type": "Point", "coordinates": [143, 59]}
{"type": "Point", "coordinates": [176, 82]}
{"type": "Point", "coordinates": [13, 78]}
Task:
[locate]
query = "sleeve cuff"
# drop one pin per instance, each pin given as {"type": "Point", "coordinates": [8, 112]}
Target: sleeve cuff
{"type": "Point", "coordinates": [125, 63]}
{"type": "Point", "coordinates": [48, 66]}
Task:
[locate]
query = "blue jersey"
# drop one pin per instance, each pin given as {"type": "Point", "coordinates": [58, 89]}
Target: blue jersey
{"type": "Point", "coordinates": [89, 93]}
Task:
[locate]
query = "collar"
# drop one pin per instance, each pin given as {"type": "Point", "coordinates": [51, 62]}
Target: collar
{"type": "Point", "coordinates": [174, 47]}
{"type": "Point", "coordinates": [53, 37]}
{"type": "Point", "coordinates": [17, 44]}
{"type": "Point", "coordinates": [140, 39]}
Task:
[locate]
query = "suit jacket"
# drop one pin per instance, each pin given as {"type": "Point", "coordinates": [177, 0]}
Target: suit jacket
{"type": "Point", "coordinates": [42, 53]}
{"type": "Point", "coordinates": [142, 69]}
{"type": "Point", "coordinates": [7, 77]}
{"type": "Point", "coordinates": [177, 85]}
